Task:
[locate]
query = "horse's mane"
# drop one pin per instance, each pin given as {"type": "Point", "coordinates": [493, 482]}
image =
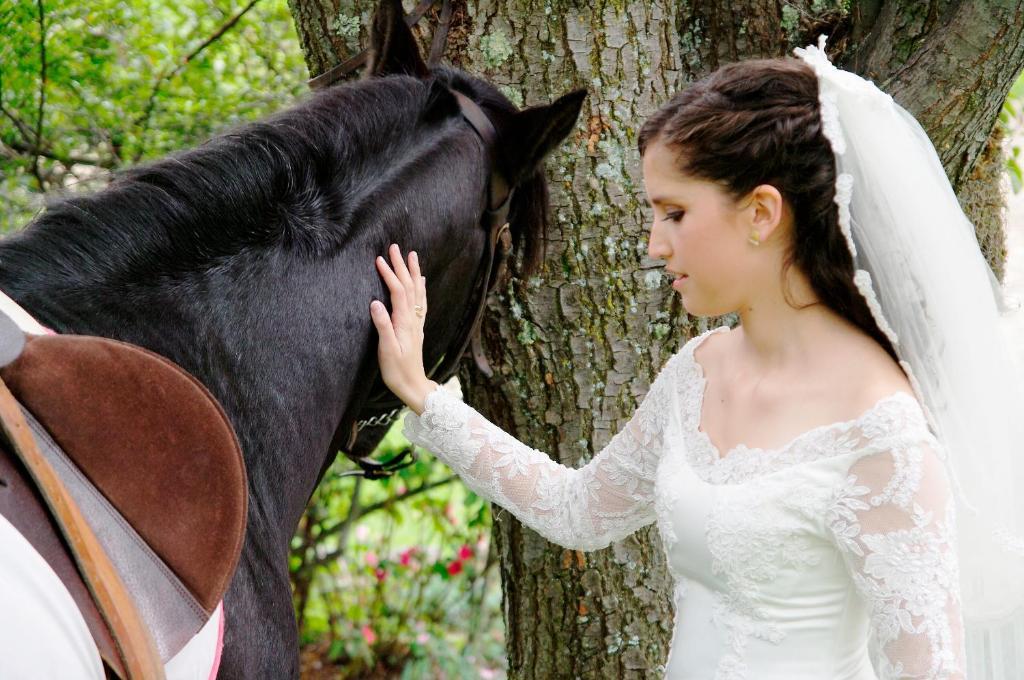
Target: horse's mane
{"type": "Point", "coordinates": [292, 180]}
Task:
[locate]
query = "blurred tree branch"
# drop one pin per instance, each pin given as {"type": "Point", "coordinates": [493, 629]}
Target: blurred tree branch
{"type": "Point", "coordinates": [38, 138]}
{"type": "Point", "coordinates": [147, 113]}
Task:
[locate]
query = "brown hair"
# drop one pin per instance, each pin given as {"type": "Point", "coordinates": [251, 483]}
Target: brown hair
{"type": "Point", "coordinates": [759, 122]}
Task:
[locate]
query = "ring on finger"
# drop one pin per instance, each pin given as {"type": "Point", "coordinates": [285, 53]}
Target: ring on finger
{"type": "Point", "coordinates": [418, 309]}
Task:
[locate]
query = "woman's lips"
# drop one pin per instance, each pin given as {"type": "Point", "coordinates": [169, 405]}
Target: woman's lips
{"type": "Point", "coordinates": [679, 280]}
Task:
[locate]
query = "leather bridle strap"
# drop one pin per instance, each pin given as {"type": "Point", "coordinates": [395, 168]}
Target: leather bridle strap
{"type": "Point", "coordinates": [440, 34]}
{"type": "Point", "coordinates": [135, 645]}
{"type": "Point", "coordinates": [499, 192]}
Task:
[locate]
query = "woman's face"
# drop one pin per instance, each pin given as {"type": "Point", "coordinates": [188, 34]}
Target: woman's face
{"type": "Point", "coordinates": [700, 233]}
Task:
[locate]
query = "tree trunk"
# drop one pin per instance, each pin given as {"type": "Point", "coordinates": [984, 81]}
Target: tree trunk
{"type": "Point", "coordinates": [574, 348]}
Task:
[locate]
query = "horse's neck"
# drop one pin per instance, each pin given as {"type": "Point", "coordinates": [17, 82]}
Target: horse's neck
{"type": "Point", "coordinates": [278, 338]}
{"type": "Point", "coordinates": [276, 363]}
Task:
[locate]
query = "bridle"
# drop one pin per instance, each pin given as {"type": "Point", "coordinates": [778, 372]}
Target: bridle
{"type": "Point", "coordinates": [495, 219]}
{"type": "Point", "coordinates": [382, 403]}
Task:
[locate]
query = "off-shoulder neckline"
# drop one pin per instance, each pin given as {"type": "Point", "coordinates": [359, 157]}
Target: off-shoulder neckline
{"type": "Point", "coordinates": [717, 457]}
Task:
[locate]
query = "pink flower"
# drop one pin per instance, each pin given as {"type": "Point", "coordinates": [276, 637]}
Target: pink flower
{"type": "Point", "coordinates": [380, 573]}
{"type": "Point", "coordinates": [369, 635]}
{"type": "Point", "coordinates": [400, 489]}
{"type": "Point", "coordinates": [488, 673]}
{"type": "Point", "coordinates": [422, 638]}
{"type": "Point", "coordinates": [371, 558]}
{"type": "Point", "coordinates": [454, 567]}
{"type": "Point", "coordinates": [406, 556]}
{"type": "Point", "coordinates": [465, 552]}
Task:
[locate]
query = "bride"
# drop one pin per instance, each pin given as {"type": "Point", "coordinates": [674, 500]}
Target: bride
{"type": "Point", "coordinates": [833, 479]}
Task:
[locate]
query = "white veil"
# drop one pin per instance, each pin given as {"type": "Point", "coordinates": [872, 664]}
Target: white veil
{"type": "Point", "coordinates": [920, 269]}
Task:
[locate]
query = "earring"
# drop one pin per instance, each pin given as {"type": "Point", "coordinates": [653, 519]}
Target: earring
{"type": "Point", "coordinates": [755, 238]}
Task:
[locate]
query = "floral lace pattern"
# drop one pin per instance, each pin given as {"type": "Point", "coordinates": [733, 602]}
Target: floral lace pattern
{"type": "Point", "coordinates": [889, 516]}
{"type": "Point", "coordinates": [587, 508]}
{"type": "Point", "coordinates": [893, 521]}
{"type": "Point", "coordinates": [751, 543]}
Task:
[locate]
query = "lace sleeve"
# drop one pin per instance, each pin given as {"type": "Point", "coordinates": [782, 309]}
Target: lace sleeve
{"type": "Point", "coordinates": [586, 508]}
{"type": "Point", "coordinates": [893, 521]}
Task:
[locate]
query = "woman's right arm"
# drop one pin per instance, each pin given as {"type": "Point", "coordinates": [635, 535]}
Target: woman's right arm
{"type": "Point", "coordinates": [586, 508]}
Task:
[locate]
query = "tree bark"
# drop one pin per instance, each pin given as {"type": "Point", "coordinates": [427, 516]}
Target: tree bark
{"type": "Point", "coordinates": [951, 64]}
{"type": "Point", "coordinates": [574, 348]}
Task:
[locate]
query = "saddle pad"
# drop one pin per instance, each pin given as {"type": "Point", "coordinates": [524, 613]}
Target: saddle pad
{"type": "Point", "coordinates": [150, 457]}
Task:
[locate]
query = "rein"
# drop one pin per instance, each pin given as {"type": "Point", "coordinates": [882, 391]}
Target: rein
{"type": "Point", "coordinates": [383, 403]}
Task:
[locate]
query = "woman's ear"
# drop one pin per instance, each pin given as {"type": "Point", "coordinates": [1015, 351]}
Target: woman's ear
{"type": "Point", "coordinates": [532, 133]}
{"type": "Point", "coordinates": [393, 48]}
{"type": "Point", "coordinates": [767, 210]}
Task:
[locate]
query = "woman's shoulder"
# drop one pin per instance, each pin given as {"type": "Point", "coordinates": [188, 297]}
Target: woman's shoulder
{"type": "Point", "coordinates": [870, 373]}
{"type": "Point", "coordinates": [874, 385]}
{"type": "Point", "coordinates": [706, 341]}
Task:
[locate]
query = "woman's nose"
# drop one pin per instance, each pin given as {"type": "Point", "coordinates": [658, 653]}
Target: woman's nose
{"type": "Point", "coordinates": [657, 248]}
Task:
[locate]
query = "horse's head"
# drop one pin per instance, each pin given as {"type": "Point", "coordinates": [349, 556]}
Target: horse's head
{"type": "Point", "coordinates": [449, 176]}
{"type": "Point", "coordinates": [525, 137]}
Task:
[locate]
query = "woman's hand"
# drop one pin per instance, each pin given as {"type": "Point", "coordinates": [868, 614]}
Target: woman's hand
{"type": "Point", "coordinates": [400, 346]}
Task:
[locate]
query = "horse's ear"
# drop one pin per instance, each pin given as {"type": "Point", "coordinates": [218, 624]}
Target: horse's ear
{"type": "Point", "coordinates": [532, 133]}
{"type": "Point", "coordinates": [393, 48]}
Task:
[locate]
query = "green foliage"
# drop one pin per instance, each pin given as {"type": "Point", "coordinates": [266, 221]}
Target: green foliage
{"type": "Point", "coordinates": [395, 578]}
{"type": "Point", "coordinates": [1011, 119]}
{"type": "Point", "coordinates": [87, 88]}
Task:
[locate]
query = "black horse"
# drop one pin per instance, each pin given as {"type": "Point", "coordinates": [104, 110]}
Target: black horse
{"type": "Point", "coordinates": [249, 262]}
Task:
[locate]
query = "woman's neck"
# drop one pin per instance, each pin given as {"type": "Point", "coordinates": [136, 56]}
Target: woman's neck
{"type": "Point", "coordinates": [777, 333]}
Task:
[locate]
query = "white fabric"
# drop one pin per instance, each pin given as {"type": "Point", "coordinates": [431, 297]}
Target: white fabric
{"type": "Point", "coordinates": [18, 314]}
{"type": "Point", "coordinates": [930, 290]}
{"type": "Point", "coordinates": [200, 657]}
{"type": "Point", "coordinates": [44, 635]}
{"type": "Point", "coordinates": [831, 557]}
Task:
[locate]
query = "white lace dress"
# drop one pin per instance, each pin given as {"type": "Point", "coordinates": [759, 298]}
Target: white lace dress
{"type": "Point", "coordinates": [831, 557]}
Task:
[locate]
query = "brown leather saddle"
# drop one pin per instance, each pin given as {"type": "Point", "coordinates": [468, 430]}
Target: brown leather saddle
{"type": "Point", "coordinates": [148, 458]}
